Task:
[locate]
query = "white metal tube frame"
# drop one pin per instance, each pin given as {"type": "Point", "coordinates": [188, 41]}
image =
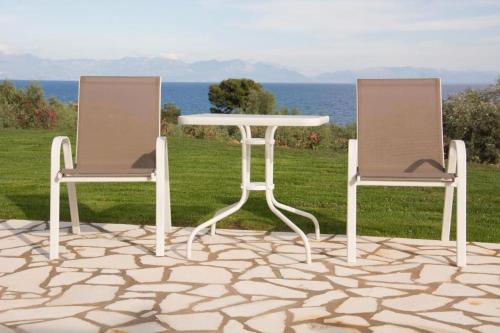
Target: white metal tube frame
{"type": "Point", "coordinates": [268, 186]}
{"type": "Point", "coordinates": [160, 176]}
{"type": "Point", "coordinates": [457, 165]}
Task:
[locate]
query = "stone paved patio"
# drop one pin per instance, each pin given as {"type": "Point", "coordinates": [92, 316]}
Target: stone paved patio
{"type": "Point", "coordinates": [240, 281]}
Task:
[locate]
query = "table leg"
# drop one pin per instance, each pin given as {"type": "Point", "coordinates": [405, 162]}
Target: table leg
{"type": "Point", "coordinates": [226, 211]}
{"type": "Point", "coordinates": [274, 204]}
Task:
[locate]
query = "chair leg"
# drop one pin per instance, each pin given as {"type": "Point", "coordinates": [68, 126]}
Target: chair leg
{"type": "Point", "coordinates": [54, 219]}
{"type": "Point", "coordinates": [160, 217]}
{"type": "Point", "coordinates": [351, 223]}
{"type": "Point", "coordinates": [73, 208]}
{"type": "Point", "coordinates": [461, 224]}
{"type": "Point", "coordinates": [447, 211]}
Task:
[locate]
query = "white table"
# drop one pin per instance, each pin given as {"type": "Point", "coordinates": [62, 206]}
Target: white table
{"type": "Point", "coordinates": [244, 123]}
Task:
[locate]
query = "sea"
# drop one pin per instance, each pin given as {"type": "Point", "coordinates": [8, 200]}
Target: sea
{"type": "Point", "coordinates": [336, 100]}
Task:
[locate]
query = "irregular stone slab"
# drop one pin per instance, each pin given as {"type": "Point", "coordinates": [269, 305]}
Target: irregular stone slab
{"type": "Point", "coordinates": [482, 306]}
{"type": "Point", "coordinates": [233, 326]}
{"type": "Point", "coordinates": [492, 319]}
{"type": "Point", "coordinates": [420, 302]}
{"type": "Point", "coordinates": [90, 252]}
{"type": "Point", "coordinates": [149, 327]}
{"type": "Point", "coordinates": [316, 267]}
{"type": "Point", "coordinates": [205, 321]}
{"type": "Point", "coordinates": [479, 260]}
{"type": "Point", "coordinates": [325, 298]}
{"type": "Point", "coordinates": [160, 261]}
{"type": "Point", "coordinates": [291, 273]}
{"type": "Point", "coordinates": [85, 294]}
{"type": "Point", "coordinates": [107, 279]}
{"type": "Point", "coordinates": [392, 329]}
{"type": "Point", "coordinates": [377, 292]}
{"type": "Point", "coordinates": [131, 294]}
{"type": "Point", "coordinates": [457, 290]}
{"type": "Point", "coordinates": [357, 305]}
{"type": "Point", "coordinates": [392, 254]}
{"type": "Point", "coordinates": [472, 278]}
{"type": "Point", "coordinates": [257, 246]}
{"type": "Point", "coordinates": [237, 255]}
{"type": "Point", "coordinates": [97, 242]}
{"type": "Point", "coordinates": [267, 289]}
{"type": "Point", "coordinates": [45, 312]}
{"type": "Point", "coordinates": [347, 321]}
{"type": "Point", "coordinates": [487, 329]}
{"type": "Point", "coordinates": [302, 284]}
{"type": "Point", "coordinates": [320, 328]}
{"type": "Point", "coordinates": [490, 289]}
{"type": "Point", "coordinates": [108, 318]}
{"type": "Point", "coordinates": [114, 261]}
{"type": "Point", "coordinates": [258, 272]}
{"type": "Point", "coordinates": [146, 274]}
{"type": "Point", "coordinates": [392, 317]}
{"type": "Point", "coordinates": [132, 305]}
{"type": "Point", "coordinates": [344, 271]}
{"type": "Point", "coordinates": [9, 265]}
{"type": "Point", "coordinates": [394, 277]}
{"type": "Point", "coordinates": [255, 308]}
{"type": "Point", "coordinates": [27, 280]}
{"type": "Point", "coordinates": [219, 303]}
{"type": "Point", "coordinates": [398, 285]}
{"type": "Point", "coordinates": [117, 227]}
{"type": "Point", "coordinates": [136, 250]}
{"type": "Point", "coordinates": [436, 273]}
{"type": "Point", "coordinates": [20, 303]}
{"type": "Point", "coordinates": [175, 302]}
{"type": "Point", "coordinates": [211, 290]}
{"type": "Point", "coordinates": [343, 281]}
{"type": "Point", "coordinates": [217, 239]}
{"type": "Point", "coordinates": [200, 274]}
{"type": "Point", "coordinates": [486, 269]}
{"type": "Point", "coordinates": [160, 287]}
{"type": "Point", "coordinates": [308, 313]}
{"type": "Point", "coordinates": [66, 278]}
{"type": "Point", "coordinates": [19, 224]}
{"type": "Point", "coordinates": [61, 325]}
{"type": "Point", "coordinates": [454, 317]}
{"type": "Point", "coordinates": [235, 265]}
{"type": "Point", "coordinates": [268, 323]}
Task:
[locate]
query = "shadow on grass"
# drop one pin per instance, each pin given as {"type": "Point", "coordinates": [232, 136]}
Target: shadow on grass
{"type": "Point", "coordinates": [258, 208]}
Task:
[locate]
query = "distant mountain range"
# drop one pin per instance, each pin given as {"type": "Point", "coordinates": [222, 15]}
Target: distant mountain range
{"type": "Point", "coordinates": [30, 67]}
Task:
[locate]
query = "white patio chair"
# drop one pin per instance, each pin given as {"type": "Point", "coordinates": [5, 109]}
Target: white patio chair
{"type": "Point", "coordinates": [400, 143]}
{"type": "Point", "coordinates": [118, 140]}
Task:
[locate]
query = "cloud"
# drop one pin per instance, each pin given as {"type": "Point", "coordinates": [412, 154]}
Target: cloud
{"type": "Point", "coordinates": [363, 17]}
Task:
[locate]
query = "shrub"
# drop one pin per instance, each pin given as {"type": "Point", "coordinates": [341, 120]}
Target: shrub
{"type": "Point", "coordinates": [474, 116]}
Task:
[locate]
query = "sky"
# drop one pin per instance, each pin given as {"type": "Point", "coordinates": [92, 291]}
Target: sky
{"type": "Point", "coordinates": [307, 36]}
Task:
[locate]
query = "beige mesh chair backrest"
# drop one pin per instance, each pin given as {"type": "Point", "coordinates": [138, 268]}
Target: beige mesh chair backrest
{"type": "Point", "coordinates": [400, 133]}
{"type": "Point", "coordinates": [118, 123]}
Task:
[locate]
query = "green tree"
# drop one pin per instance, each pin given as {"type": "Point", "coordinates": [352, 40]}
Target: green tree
{"type": "Point", "coordinates": [259, 102]}
{"type": "Point", "coordinates": [474, 116]}
{"type": "Point", "coordinates": [233, 95]}
{"type": "Point", "coordinates": [170, 113]}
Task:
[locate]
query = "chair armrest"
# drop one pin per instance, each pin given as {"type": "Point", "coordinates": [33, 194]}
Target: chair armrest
{"type": "Point", "coordinates": [55, 155]}
{"type": "Point", "coordinates": [161, 168]}
{"type": "Point", "coordinates": [457, 158]}
{"type": "Point", "coordinates": [352, 158]}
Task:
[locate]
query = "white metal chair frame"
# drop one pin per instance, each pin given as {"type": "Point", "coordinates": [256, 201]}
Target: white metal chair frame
{"type": "Point", "coordinates": [160, 176]}
{"type": "Point", "coordinates": [247, 185]}
{"type": "Point", "coordinates": [457, 164]}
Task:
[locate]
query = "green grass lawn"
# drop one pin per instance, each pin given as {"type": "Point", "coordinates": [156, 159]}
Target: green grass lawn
{"type": "Point", "coordinates": [205, 176]}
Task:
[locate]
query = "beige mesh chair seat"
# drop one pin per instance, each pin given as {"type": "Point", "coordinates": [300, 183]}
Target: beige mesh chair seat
{"type": "Point", "coordinates": [116, 172]}
{"type": "Point", "coordinates": [405, 176]}
{"type": "Point", "coordinates": [118, 140]}
{"type": "Point", "coordinates": [400, 143]}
